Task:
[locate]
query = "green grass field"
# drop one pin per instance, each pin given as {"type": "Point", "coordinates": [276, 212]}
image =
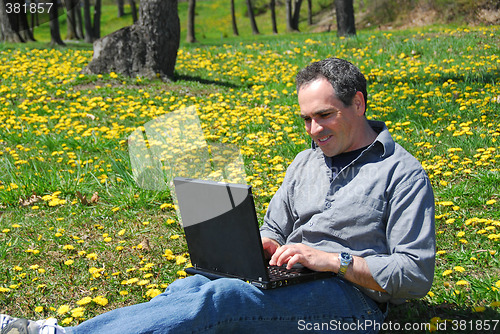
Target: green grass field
{"type": "Point", "coordinates": [78, 237]}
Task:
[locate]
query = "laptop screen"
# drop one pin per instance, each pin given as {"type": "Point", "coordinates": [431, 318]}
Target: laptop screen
{"type": "Point", "coordinates": [221, 227]}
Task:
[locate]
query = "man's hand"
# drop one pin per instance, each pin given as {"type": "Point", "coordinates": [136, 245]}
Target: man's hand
{"type": "Point", "coordinates": [307, 256]}
{"type": "Point", "coordinates": [357, 272]}
{"type": "Point", "coordinates": [270, 246]}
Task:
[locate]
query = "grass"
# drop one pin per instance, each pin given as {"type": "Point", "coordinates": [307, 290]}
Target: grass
{"type": "Point", "coordinates": [78, 237]}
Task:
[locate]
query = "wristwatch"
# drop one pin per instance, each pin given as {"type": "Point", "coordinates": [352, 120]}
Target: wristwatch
{"type": "Point", "coordinates": [345, 260]}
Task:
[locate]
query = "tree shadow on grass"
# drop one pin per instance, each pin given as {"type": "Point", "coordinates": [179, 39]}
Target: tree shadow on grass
{"type": "Point", "coordinates": [415, 317]}
{"type": "Point", "coordinates": [183, 77]}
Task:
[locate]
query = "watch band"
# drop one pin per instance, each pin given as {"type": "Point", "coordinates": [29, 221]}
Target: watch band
{"type": "Point", "coordinates": [345, 259]}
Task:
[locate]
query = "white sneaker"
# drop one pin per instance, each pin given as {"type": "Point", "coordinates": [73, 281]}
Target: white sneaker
{"type": "Point", "coordinates": [11, 325]}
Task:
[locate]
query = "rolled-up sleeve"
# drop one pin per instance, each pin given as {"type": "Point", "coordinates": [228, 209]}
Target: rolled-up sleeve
{"type": "Point", "coordinates": [408, 270]}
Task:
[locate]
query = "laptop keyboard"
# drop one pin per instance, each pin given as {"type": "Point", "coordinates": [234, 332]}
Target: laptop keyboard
{"type": "Point", "coordinates": [276, 273]}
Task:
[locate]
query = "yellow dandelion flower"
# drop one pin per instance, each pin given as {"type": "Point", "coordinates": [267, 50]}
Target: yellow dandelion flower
{"type": "Point", "coordinates": [100, 300]}
{"type": "Point", "coordinates": [447, 272]}
{"type": "Point", "coordinates": [63, 309]}
{"type": "Point", "coordinates": [179, 259]}
{"type": "Point", "coordinates": [77, 312]}
{"type": "Point", "coordinates": [151, 293]}
{"type": "Point", "coordinates": [84, 301]}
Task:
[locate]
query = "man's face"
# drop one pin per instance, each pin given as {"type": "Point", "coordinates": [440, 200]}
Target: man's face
{"type": "Point", "coordinates": [333, 126]}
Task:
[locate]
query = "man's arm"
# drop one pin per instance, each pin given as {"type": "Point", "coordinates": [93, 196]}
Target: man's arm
{"type": "Point", "coordinates": [357, 272]}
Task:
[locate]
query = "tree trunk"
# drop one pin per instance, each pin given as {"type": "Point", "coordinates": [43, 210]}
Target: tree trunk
{"type": "Point", "coordinates": [190, 37]}
{"type": "Point", "coordinates": [7, 32]}
{"type": "Point", "coordinates": [345, 18]}
{"type": "Point", "coordinates": [289, 16]}
{"type": "Point", "coordinates": [133, 9]}
{"type": "Point", "coordinates": [147, 48]}
{"type": "Point", "coordinates": [87, 19]}
{"type": "Point", "coordinates": [24, 26]}
{"type": "Point", "coordinates": [272, 6]}
{"type": "Point", "coordinates": [233, 19]}
{"type": "Point", "coordinates": [79, 20]}
{"type": "Point", "coordinates": [96, 29]}
{"type": "Point", "coordinates": [70, 19]}
{"type": "Point", "coordinates": [121, 10]}
{"type": "Point", "coordinates": [296, 15]}
{"type": "Point", "coordinates": [309, 12]}
{"type": "Point", "coordinates": [251, 15]}
{"type": "Point", "coordinates": [55, 34]}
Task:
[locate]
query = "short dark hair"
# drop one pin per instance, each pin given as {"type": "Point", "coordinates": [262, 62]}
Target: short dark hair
{"type": "Point", "coordinates": [345, 78]}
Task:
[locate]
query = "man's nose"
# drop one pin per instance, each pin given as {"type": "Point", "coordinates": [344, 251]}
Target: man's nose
{"type": "Point", "coordinates": [316, 128]}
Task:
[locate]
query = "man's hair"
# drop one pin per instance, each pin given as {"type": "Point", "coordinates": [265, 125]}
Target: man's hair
{"type": "Point", "coordinates": [345, 78]}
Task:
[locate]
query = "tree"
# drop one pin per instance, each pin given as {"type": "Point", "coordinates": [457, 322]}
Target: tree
{"type": "Point", "coordinates": [8, 32]}
{"type": "Point", "coordinates": [296, 15]}
{"type": "Point", "coordinates": [309, 12]}
{"type": "Point", "coordinates": [345, 18]}
{"type": "Point", "coordinates": [14, 26]}
{"type": "Point", "coordinates": [133, 10]}
{"type": "Point", "coordinates": [96, 28]}
{"type": "Point", "coordinates": [92, 26]}
{"type": "Point", "coordinates": [121, 8]}
{"type": "Point", "coordinates": [272, 6]}
{"type": "Point", "coordinates": [233, 19]}
{"type": "Point", "coordinates": [251, 15]}
{"type": "Point", "coordinates": [55, 33]}
{"type": "Point", "coordinates": [190, 36]}
{"type": "Point", "coordinates": [72, 6]}
{"type": "Point", "coordinates": [147, 48]}
{"type": "Point", "coordinates": [292, 14]}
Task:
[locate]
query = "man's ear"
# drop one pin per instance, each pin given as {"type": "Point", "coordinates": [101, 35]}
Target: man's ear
{"type": "Point", "coordinates": [359, 102]}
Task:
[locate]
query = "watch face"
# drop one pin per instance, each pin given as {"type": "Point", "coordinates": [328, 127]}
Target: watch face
{"type": "Point", "coordinates": [345, 256]}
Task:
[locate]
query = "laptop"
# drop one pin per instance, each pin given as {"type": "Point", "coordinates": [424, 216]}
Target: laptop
{"type": "Point", "coordinates": [222, 234]}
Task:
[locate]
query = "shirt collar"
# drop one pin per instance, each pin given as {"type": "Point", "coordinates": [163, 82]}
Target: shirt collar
{"type": "Point", "coordinates": [384, 142]}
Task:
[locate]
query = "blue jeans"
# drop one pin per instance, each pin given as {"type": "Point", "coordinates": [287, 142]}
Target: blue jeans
{"type": "Point", "coordinates": [197, 305]}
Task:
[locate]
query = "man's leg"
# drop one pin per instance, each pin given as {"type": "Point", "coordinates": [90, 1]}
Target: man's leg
{"type": "Point", "coordinates": [196, 304]}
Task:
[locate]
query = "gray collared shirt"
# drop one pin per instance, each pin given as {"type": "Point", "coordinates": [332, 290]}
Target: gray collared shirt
{"type": "Point", "coordinates": [379, 207]}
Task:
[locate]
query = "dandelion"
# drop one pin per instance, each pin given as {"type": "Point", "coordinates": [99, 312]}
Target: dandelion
{"type": "Point", "coordinates": [63, 309]}
{"type": "Point", "coordinates": [39, 309]}
{"type": "Point", "coordinates": [100, 300]}
{"type": "Point", "coordinates": [84, 301]}
{"type": "Point", "coordinates": [143, 282]}
{"type": "Point", "coordinates": [179, 259]}
{"type": "Point", "coordinates": [151, 293]}
{"type": "Point", "coordinates": [77, 312]}
{"type": "Point", "coordinates": [447, 272]}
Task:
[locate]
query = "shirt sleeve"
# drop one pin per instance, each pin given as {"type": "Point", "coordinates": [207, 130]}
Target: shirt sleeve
{"type": "Point", "coordinates": [408, 270]}
{"type": "Point", "coordinates": [279, 219]}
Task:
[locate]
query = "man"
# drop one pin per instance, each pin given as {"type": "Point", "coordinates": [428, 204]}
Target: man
{"type": "Point", "coordinates": [355, 204]}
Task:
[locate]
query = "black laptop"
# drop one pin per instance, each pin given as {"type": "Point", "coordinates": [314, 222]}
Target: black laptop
{"type": "Point", "coordinates": [222, 234]}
